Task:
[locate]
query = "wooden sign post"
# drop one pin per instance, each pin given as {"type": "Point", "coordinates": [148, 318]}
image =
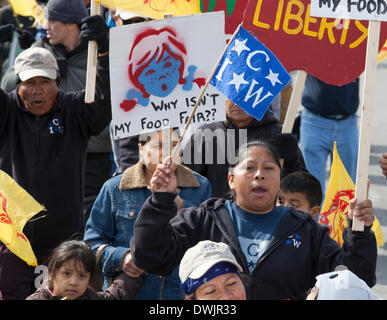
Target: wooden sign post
{"type": "Point", "coordinates": [92, 53]}
{"type": "Point", "coordinates": [366, 117]}
{"type": "Point", "coordinates": [347, 11]}
{"type": "Point", "coordinates": [294, 102]}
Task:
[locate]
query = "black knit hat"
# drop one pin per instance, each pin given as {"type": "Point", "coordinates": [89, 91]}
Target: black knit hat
{"type": "Point", "coordinates": [70, 11]}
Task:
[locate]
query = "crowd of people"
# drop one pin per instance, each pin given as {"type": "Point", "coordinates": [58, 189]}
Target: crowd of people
{"type": "Point", "coordinates": [126, 220]}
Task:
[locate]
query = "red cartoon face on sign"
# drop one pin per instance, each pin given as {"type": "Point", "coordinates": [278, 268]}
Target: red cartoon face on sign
{"type": "Point", "coordinates": [332, 50]}
{"type": "Point", "coordinates": [157, 66]}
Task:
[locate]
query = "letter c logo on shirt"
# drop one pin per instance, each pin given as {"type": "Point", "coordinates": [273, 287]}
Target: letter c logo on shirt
{"type": "Point", "coordinates": [250, 249]}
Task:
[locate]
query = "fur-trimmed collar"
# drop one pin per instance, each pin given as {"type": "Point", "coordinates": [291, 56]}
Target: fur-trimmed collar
{"type": "Point", "coordinates": [134, 178]}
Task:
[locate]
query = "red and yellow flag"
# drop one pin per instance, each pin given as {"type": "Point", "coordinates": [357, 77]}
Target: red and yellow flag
{"type": "Point", "coordinates": [27, 8]}
{"type": "Point", "coordinates": [339, 192]}
{"type": "Point", "coordinates": [383, 52]}
{"type": "Point", "coordinates": [16, 208]}
{"type": "Point", "coordinates": [155, 9]}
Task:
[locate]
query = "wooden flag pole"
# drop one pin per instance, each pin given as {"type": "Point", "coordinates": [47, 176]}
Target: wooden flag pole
{"type": "Point", "coordinates": [92, 53]}
{"type": "Point", "coordinates": [176, 149]}
{"type": "Point", "coordinates": [366, 117]}
{"type": "Point", "coordinates": [294, 102]}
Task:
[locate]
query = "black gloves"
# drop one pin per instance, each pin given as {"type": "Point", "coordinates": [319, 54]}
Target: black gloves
{"type": "Point", "coordinates": [6, 32]}
{"type": "Point", "coordinates": [95, 28]}
{"type": "Point", "coordinates": [286, 145]}
{"type": "Point", "coordinates": [27, 38]}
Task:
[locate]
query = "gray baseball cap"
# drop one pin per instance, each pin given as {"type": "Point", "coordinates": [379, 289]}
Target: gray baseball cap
{"type": "Point", "coordinates": [34, 62]}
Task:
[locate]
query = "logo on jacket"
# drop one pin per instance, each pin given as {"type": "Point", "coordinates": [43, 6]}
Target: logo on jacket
{"type": "Point", "coordinates": [56, 126]}
{"type": "Point", "coordinates": [294, 240]}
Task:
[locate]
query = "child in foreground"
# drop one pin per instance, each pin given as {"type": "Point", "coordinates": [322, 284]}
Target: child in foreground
{"type": "Point", "coordinates": [301, 190]}
{"type": "Point", "coordinates": [70, 268]}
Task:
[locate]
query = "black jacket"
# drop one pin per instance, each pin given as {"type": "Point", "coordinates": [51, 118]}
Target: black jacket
{"type": "Point", "coordinates": [225, 143]}
{"type": "Point", "coordinates": [299, 250]}
{"type": "Point", "coordinates": [46, 156]}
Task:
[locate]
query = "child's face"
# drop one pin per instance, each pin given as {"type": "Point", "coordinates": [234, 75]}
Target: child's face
{"type": "Point", "coordinates": [70, 280]}
{"type": "Point", "coordinates": [298, 200]}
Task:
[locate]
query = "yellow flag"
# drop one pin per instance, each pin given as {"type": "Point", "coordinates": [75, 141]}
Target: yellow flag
{"type": "Point", "coordinates": [339, 192]}
{"type": "Point", "coordinates": [383, 52]}
{"type": "Point", "coordinates": [16, 208]}
{"type": "Point", "coordinates": [155, 9]}
{"type": "Point", "coordinates": [28, 8]}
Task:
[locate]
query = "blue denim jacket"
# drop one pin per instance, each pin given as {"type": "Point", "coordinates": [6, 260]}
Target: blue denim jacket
{"type": "Point", "coordinates": [112, 219]}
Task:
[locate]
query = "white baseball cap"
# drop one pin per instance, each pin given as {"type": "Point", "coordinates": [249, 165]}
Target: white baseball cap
{"type": "Point", "coordinates": [127, 15]}
{"type": "Point", "coordinates": [343, 285]}
{"type": "Point", "coordinates": [200, 258]}
{"type": "Point", "coordinates": [34, 62]}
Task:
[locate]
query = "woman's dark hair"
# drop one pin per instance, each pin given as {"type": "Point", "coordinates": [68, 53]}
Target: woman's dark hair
{"type": "Point", "coordinates": [72, 250]}
{"type": "Point", "coordinates": [242, 154]}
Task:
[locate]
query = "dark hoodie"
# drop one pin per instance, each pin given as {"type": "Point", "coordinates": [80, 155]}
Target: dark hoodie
{"type": "Point", "coordinates": [222, 150]}
{"type": "Point", "coordinates": [46, 156]}
{"type": "Point", "coordinates": [299, 250]}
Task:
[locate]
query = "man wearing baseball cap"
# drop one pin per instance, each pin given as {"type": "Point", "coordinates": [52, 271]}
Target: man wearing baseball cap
{"type": "Point", "coordinates": [63, 21]}
{"type": "Point", "coordinates": [43, 139]}
{"type": "Point", "coordinates": [209, 271]}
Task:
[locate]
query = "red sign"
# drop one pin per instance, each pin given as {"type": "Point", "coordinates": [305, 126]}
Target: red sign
{"type": "Point", "coordinates": [332, 50]}
{"type": "Point", "coordinates": [233, 11]}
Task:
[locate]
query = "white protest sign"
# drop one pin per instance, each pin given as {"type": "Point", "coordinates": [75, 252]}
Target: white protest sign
{"type": "Point", "coordinates": [157, 70]}
{"type": "Point", "coordinates": [350, 9]}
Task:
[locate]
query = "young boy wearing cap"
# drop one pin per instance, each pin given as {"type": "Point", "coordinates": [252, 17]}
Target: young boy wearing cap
{"type": "Point", "coordinates": [209, 271]}
{"type": "Point", "coordinates": [43, 140]}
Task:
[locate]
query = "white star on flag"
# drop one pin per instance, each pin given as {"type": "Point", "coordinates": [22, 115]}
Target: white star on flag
{"type": "Point", "coordinates": [251, 76]}
{"type": "Point", "coordinates": [237, 80]}
{"type": "Point", "coordinates": [240, 46]}
{"type": "Point", "coordinates": [273, 77]}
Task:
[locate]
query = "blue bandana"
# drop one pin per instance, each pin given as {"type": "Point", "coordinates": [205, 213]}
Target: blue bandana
{"type": "Point", "coordinates": [190, 285]}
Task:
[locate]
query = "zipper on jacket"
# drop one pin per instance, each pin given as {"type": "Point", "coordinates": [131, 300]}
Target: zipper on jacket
{"type": "Point", "coordinates": [162, 287]}
{"type": "Point", "coordinates": [275, 244]}
{"type": "Point", "coordinates": [37, 153]}
{"type": "Point", "coordinates": [229, 239]}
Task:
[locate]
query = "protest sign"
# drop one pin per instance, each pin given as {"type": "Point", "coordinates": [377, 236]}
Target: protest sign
{"type": "Point", "coordinates": [249, 74]}
{"type": "Point", "coordinates": [157, 70]}
{"type": "Point", "coordinates": [350, 9]}
{"type": "Point", "coordinates": [155, 9]}
{"type": "Point", "coordinates": [27, 8]}
{"type": "Point", "coordinates": [233, 9]}
{"type": "Point", "coordinates": [332, 50]}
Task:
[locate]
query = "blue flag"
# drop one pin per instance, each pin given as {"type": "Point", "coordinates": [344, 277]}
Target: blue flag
{"type": "Point", "coordinates": [249, 74]}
